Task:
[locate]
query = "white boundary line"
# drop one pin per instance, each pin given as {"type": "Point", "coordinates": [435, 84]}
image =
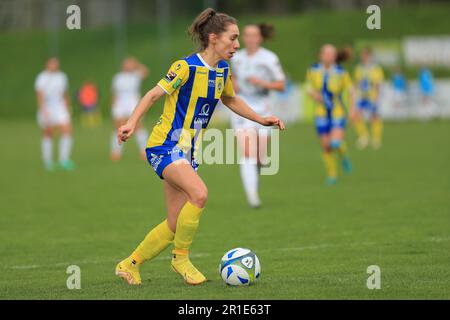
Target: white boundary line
{"type": "Point", "coordinates": [202, 255]}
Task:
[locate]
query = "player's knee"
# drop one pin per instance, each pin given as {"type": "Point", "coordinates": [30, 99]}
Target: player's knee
{"type": "Point", "coordinates": [47, 134]}
{"type": "Point", "coordinates": [66, 129]}
{"type": "Point", "coordinates": [199, 197]}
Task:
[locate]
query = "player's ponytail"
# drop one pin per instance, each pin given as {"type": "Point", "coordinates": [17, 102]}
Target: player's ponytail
{"type": "Point", "coordinates": [207, 22]}
{"type": "Point", "coordinates": [344, 55]}
{"type": "Point", "coordinates": [267, 30]}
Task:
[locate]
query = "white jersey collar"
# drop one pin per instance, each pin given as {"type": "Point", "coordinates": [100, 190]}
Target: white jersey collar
{"type": "Point", "coordinates": [206, 65]}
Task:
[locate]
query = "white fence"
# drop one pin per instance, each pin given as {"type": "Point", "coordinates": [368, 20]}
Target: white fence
{"type": "Point", "coordinates": [413, 105]}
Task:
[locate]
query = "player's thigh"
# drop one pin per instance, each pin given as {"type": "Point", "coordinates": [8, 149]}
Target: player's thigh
{"type": "Point", "coordinates": [337, 133]}
{"type": "Point", "coordinates": [65, 128]}
{"type": "Point", "coordinates": [323, 129]}
{"type": "Point", "coordinates": [374, 113]}
{"type": "Point", "coordinates": [175, 200]}
{"type": "Point", "coordinates": [48, 131]}
{"type": "Point", "coordinates": [263, 142]}
{"type": "Point", "coordinates": [358, 112]}
{"type": "Point", "coordinates": [324, 140]}
{"type": "Point", "coordinates": [247, 139]}
{"type": "Point", "coordinates": [180, 175]}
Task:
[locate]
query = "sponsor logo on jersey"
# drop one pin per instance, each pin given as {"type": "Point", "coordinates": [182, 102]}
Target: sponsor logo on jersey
{"type": "Point", "coordinates": [202, 118]}
{"type": "Point", "coordinates": [177, 83]}
{"type": "Point", "coordinates": [170, 76]}
{"type": "Point", "coordinates": [205, 110]}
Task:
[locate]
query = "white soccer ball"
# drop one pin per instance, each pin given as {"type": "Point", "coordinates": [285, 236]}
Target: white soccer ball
{"type": "Point", "coordinates": [240, 267]}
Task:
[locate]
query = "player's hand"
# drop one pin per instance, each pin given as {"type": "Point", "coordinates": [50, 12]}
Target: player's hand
{"type": "Point", "coordinates": [125, 132]}
{"type": "Point", "coordinates": [273, 121]}
{"type": "Point", "coordinates": [255, 81]}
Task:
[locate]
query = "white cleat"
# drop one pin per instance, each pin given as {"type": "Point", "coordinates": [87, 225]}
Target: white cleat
{"type": "Point", "coordinates": [376, 144]}
{"type": "Point", "coordinates": [253, 200]}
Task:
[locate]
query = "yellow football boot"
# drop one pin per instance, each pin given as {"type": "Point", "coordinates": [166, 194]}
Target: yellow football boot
{"type": "Point", "coordinates": [128, 269]}
{"type": "Point", "coordinates": [184, 267]}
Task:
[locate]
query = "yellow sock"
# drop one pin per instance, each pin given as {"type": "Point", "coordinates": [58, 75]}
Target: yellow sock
{"type": "Point", "coordinates": [156, 241]}
{"type": "Point", "coordinates": [361, 128]}
{"type": "Point", "coordinates": [343, 149]}
{"type": "Point", "coordinates": [187, 225]}
{"type": "Point", "coordinates": [377, 129]}
{"type": "Point", "coordinates": [330, 164]}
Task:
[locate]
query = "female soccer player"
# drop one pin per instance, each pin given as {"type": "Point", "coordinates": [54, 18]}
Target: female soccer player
{"type": "Point", "coordinates": [54, 114]}
{"type": "Point", "coordinates": [256, 71]}
{"type": "Point", "coordinates": [327, 81]}
{"type": "Point", "coordinates": [368, 77]}
{"type": "Point", "coordinates": [126, 93]}
{"type": "Point", "coordinates": [193, 86]}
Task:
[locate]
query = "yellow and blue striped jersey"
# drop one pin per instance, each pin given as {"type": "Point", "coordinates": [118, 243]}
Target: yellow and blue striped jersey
{"type": "Point", "coordinates": [331, 83]}
{"type": "Point", "coordinates": [368, 78]}
{"type": "Point", "coordinates": [193, 89]}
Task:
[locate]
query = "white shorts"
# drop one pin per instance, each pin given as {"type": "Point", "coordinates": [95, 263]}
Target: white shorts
{"type": "Point", "coordinates": [55, 117]}
{"type": "Point", "coordinates": [123, 109]}
{"type": "Point", "coordinates": [262, 108]}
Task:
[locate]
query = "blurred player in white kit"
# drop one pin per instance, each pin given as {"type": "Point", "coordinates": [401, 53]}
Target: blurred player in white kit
{"type": "Point", "coordinates": [54, 114]}
{"type": "Point", "coordinates": [126, 94]}
{"type": "Point", "coordinates": [256, 71]}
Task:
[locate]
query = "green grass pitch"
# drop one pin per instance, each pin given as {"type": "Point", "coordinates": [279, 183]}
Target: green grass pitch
{"type": "Point", "coordinates": [313, 241]}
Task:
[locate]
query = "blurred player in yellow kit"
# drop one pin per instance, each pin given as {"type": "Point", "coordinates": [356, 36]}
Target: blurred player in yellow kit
{"type": "Point", "coordinates": [192, 89]}
{"type": "Point", "coordinates": [368, 77]}
{"type": "Point", "coordinates": [326, 83]}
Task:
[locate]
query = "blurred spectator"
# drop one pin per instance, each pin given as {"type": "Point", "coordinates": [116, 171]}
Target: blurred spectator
{"type": "Point", "coordinates": [426, 86]}
{"type": "Point", "coordinates": [400, 87]}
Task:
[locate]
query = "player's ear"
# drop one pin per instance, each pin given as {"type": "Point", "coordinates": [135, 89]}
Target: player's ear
{"type": "Point", "coordinates": [213, 38]}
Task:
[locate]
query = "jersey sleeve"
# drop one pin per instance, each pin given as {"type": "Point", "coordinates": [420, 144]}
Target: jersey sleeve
{"type": "Point", "coordinates": [65, 81]}
{"type": "Point", "coordinates": [309, 79]}
{"type": "Point", "coordinates": [228, 89]}
{"type": "Point", "coordinates": [357, 74]}
{"type": "Point", "coordinates": [276, 69]}
{"type": "Point", "coordinates": [176, 77]}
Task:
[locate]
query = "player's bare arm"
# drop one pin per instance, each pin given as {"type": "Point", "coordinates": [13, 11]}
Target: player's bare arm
{"type": "Point", "coordinates": [125, 131]}
{"type": "Point", "coordinates": [67, 102]}
{"type": "Point", "coordinates": [268, 85]}
{"type": "Point", "coordinates": [142, 69]}
{"type": "Point", "coordinates": [238, 106]}
{"type": "Point", "coordinates": [41, 104]}
{"type": "Point", "coordinates": [235, 85]}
